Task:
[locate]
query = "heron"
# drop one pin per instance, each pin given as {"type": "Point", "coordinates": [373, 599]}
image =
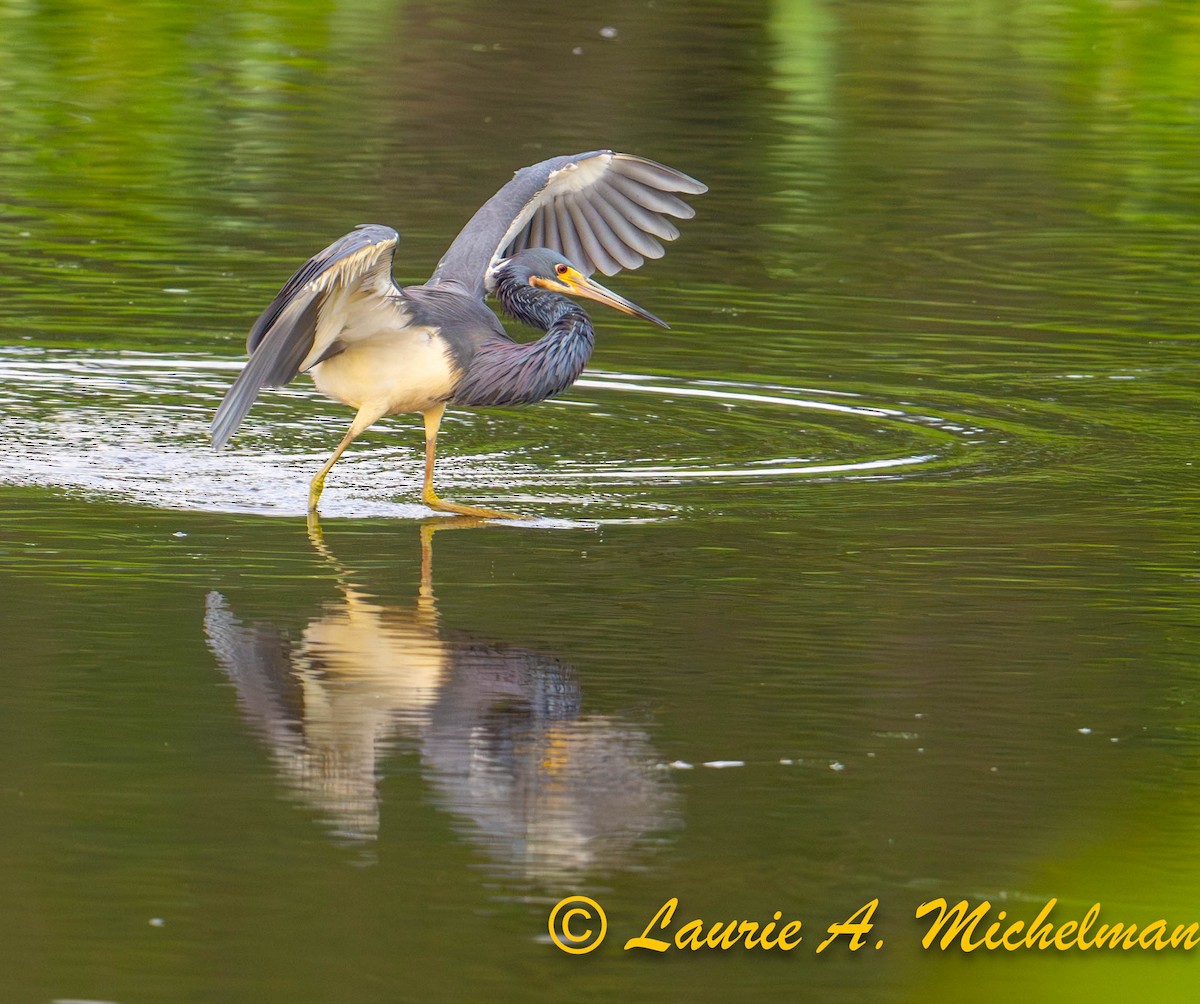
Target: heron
{"type": "Point", "coordinates": [385, 350]}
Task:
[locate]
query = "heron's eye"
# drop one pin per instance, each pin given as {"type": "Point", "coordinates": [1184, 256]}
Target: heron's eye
{"type": "Point", "coordinates": [560, 269]}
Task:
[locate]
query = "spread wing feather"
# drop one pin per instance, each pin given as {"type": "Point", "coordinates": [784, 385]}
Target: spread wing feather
{"type": "Point", "coordinates": [302, 324]}
{"type": "Point", "coordinates": [605, 211]}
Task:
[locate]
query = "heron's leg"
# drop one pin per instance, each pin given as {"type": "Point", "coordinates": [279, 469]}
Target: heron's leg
{"type": "Point", "coordinates": [433, 419]}
{"type": "Point", "coordinates": [425, 600]}
{"type": "Point", "coordinates": [362, 420]}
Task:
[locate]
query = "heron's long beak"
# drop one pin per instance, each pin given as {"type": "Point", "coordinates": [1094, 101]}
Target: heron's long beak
{"type": "Point", "coordinates": [578, 284]}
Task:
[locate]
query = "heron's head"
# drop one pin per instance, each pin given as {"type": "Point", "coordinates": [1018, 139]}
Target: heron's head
{"type": "Point", "coordinates": [542, 268]}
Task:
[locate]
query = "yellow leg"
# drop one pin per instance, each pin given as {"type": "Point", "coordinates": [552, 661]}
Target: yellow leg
{"type": "Point", "coordinates": [428, 528]}
{"type": "Point", "coordinates": [362, 420]}
{"type": "Point", "coordinates": [433, 419]}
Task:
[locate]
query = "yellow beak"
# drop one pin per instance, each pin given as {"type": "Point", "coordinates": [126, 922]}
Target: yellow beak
{"type": "Point", "coordinates": [577, 284]}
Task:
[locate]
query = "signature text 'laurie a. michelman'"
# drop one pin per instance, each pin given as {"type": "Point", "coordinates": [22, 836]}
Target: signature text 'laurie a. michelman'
{"type": "Point", "coordinates": [959, 926]}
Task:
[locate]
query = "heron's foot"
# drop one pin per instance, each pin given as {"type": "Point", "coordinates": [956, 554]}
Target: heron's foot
{"type": "Point", "coordinates": [314, 494]}
{"type": "Point", "coordinates": [435, 501]}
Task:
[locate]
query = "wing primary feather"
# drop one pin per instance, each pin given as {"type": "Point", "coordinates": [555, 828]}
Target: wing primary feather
{"type": "Point", "coordinates": [655, 201]}
{"type": "Point", "coordinates": [550, 229]}
{"type": "Point", "coordinates": [636, 214]}
{"type": "Point", "coordinates": [608, 237]}
{"type": "Point", "coordinates": [537, 231]}
{"type": "Point", "coordinates": [530, 211]}
{"type": "Point", "coordinates": [621, 214]}
{"type": "Point", "coordinates": [571, 245]}
{"type": "Point", "coordinates": [270, 366]}
{"type": "Point", "coordinates": [591, 228]}
{"type": "Point", "coordinates": [665, 179]}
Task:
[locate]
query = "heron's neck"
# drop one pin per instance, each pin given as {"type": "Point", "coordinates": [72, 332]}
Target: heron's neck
{"type": "Point", "coordinates": [504, 372]}
{"type": "Point", "coordinates": [539, 308]}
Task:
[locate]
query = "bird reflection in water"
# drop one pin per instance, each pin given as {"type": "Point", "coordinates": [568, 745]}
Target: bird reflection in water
{"type": "Point", "coordinates": [548, 790]}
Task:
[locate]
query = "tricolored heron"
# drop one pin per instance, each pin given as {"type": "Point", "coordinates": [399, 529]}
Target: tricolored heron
{"type": "Point", "coordinates": [384, 350]}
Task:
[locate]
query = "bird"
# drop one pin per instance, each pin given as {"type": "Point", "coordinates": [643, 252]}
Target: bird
{"type": "Point", "coordinates": [502, 733]}
{"type": "Point", "coordinates": [384, 349]}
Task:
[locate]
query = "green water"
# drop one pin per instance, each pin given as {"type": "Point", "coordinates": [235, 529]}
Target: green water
{"type": "Point", "coordinates": [898, 522]}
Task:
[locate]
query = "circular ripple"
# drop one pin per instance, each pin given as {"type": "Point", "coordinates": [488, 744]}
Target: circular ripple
{"type": "Point", "coordinates": [134, 426]}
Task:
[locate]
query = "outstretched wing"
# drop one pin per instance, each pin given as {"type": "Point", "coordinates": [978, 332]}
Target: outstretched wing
{"type": "Point", "coordinates": [302, 325]}
{"type": "Point", "coordinates": [605, 211]}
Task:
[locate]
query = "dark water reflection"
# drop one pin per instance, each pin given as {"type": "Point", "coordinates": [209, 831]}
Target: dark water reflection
{"type": "Point", "coordinates": [550, 792]}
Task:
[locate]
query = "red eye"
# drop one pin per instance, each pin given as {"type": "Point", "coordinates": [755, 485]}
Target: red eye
{"type": "Point", "coordinates": [560, 269]}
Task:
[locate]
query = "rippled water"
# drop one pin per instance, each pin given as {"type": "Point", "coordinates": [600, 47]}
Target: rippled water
{"type": "Point", "coordinates": [875, 577]}
{"type": "Point", "coordinates": [135, 426]}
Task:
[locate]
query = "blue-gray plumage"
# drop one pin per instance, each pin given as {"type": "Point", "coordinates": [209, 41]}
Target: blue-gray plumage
{"type": "Point", "coordinates": [504, 372]}
{"type": "Point", "coordinates": [384, 350]}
